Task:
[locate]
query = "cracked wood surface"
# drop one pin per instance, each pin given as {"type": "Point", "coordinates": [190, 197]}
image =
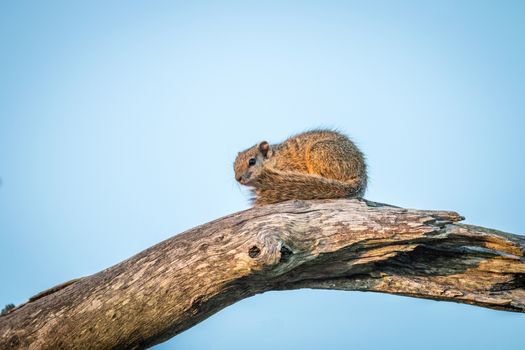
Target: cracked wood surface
{"type": "Point", "coordinates": [330, 244]}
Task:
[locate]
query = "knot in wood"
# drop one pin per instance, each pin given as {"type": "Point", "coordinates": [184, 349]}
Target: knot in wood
{"type": "Point", "coordinates": [254, 252]}
{"type": "Point", "coordinates": [286, 253]}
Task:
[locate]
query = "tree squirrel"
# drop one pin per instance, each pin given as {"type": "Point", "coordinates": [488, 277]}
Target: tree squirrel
{"type": "Point", "coordinates": [317, 164]}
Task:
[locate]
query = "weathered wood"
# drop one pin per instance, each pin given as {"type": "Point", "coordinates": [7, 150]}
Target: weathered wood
{"type": "Point", "coordinates": [331, 244]}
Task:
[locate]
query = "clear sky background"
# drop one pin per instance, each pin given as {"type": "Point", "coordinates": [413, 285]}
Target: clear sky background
{"type": "Point", "coordinates": [120, 120]}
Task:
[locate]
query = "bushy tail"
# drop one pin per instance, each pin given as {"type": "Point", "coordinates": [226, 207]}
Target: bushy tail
{"type": "Point", "coordinates": [278, 186]}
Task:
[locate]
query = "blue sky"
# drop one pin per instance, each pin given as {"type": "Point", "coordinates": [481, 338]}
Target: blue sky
{"type": "Point", "coordinates": [119, 123]}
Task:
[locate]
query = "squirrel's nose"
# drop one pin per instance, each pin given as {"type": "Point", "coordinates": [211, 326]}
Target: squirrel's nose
{"type": "Point", "coordinates": [239, 178]}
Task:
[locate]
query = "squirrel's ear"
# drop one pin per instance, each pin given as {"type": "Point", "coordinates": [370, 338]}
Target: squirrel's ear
{"type": "Point", "coordinates": [264, 147]}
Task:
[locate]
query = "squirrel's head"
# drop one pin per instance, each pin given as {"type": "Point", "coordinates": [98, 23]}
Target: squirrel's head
{"type": "Point", "coordinates": [248, 162]}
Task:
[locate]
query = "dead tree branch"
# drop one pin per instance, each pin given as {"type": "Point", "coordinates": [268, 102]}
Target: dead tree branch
{"type": "Point", "coordinates": [331, 244]}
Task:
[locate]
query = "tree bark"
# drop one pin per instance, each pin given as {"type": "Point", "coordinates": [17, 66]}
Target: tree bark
{"type": "Point", "coordinates": [329, 244]}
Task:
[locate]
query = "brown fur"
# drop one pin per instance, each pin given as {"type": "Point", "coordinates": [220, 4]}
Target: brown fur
{"type": "Point", "coordinates": [317, 164]}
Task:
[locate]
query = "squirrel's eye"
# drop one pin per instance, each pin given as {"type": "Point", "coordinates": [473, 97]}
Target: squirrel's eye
{"type": "Point", "coordinates": [252, 161]}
